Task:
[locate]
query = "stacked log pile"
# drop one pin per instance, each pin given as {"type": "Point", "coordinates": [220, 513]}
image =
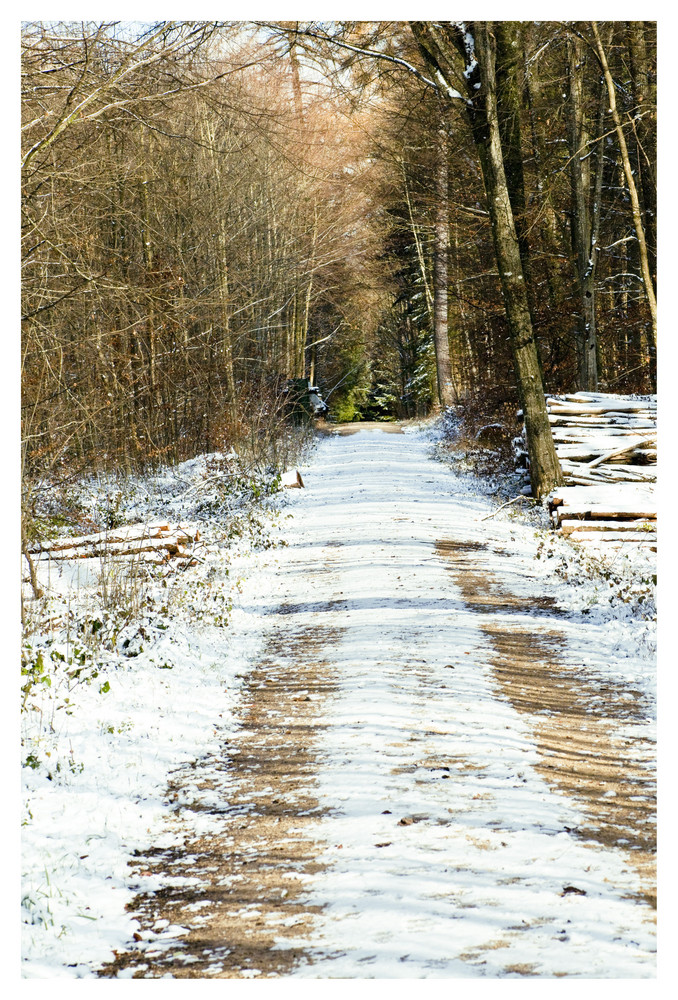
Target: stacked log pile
{"type": "Point", "coordinates": [603, 438]}
{"type": "Point", "coordinates": [607, 446]}
{"type": "Point", "coordinates": [617, 515]}
{"type": "Point", "coordinates": [154, 543]}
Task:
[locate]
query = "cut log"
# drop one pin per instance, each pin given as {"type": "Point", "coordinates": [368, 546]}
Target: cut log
{"type": "Point", "coordinates": [124, 535]}
{"type": "Point", "coordinates": [174, 545]}
{"type": "Point", "coordinates": [606, 445]}
{"type": "Point", "coordinates": [626, 474]}
{"type": "Point", "coordinates": [597, 480]}
{"type": "Point", "coordinates": [603, 420]}
{"type": "Point", "coordinates": [608, 495]}
{"type": "Point", "coordinates": [603, 399]}
{"type": "Point", "coordinates": [618, 537]}
{"type": "Point", "coordinates": [115, 535]}
{"type": "Point", "coordinates": [580, 432]}
{"type": "Point", "coordinates": [119, 549]}
{"type": "Point", "coordinates": [621, 506]}
{"type": "Point", "coordinates": [590, 453]}
{"type": "Point", "coordinates": [582, 424]}
{"type": "Point", "coordinates": [603, 513]}
{"type": "Point", "coordinates": [620, 451]}
{"type": "Point", "coordinates": [621, 474]}
{"type": "Point", "coordinates": [574, 409]}
{"type": "Point", "coordinates": [156, 558]}
{"type": "Point", "coordinates": [577, 433]}
{"type": "Point", "coordinates": [574, 525]}
{"type": "Point", "coordinates": [589, 396]}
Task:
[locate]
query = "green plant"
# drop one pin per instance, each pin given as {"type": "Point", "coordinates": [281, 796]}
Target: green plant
{"type": "Point", "coordinates": [110, 509]}
{"type": "Point", "coordinates": [33, 670]}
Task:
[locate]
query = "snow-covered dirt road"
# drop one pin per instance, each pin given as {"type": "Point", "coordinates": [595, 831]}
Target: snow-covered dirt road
{"type": "Point", "coordinates": [441, 767]}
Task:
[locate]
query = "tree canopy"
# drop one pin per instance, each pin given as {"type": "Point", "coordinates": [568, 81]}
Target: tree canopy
{"type": "Point", "coordinates": [411, 215]}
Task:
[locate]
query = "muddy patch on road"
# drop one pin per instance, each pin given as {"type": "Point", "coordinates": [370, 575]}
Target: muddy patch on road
{"type": "Point", "coordinates": [386, 426]}
{"type": "Point", "coordinates": [578, 720]}
{"type": "Point", "coordinates": [236, 894]}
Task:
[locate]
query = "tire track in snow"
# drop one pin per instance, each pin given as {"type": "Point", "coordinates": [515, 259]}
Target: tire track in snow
{"type": "Point", "coordinates": [448, 854]}
{"type": "Point", "coordinates": [230, 895]}
{"type": "Point", "coordinates": [577, 722]}
{"type": "Point", "coordinates": [423, 834]}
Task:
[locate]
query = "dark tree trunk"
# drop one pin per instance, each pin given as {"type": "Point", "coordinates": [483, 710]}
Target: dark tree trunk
{"type": "Point", "coordinates": [509, 50]}
{"type": "Point", "coordinates": [475, 42]}
{"type": "Point", "coordinates": [446, 391]}
{"type": "Point", "coordinates": [583, 243]}
{"type": "Point", "coordinates": [548, 225]}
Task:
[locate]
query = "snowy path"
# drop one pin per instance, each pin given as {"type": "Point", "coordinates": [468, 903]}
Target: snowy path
{"type": "Point", "coordinates": [437, 773]}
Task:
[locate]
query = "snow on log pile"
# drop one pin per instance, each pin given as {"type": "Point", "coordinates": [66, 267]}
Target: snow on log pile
{"type": "Point", "coordinates": [617, 514]}
{"type": "Point", "coordinates": [154, 543]}
{"type": "Point", "coordinates": [604, 438]}
{"type": "Point", "coordinates": [607, 446]}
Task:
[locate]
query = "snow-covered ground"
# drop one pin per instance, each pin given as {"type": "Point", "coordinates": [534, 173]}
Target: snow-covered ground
{"type": "Point", "coordinates": [155, 682]}
{"type": "Point", "coordinates": [447, 850]}
{"type": "Point", "coordinates": [474, 884]}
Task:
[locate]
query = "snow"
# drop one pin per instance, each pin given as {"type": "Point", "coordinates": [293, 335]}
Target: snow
{"type": "Point", "coordinates": [99, 793]}
{"type": "Point", "coordinates": [159, 713]}
{"type": "Point", "coordinates": [608, 496]}
{"type": "Point", "coordinates": [385, 911]}
{"type": "Point", "coordinates": [471, 884]}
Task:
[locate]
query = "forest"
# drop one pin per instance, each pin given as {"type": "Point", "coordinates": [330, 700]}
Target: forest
{"type": "Point", "coordinates": [338, 512]}
{"type": "Point", "coordinates": [411, 215]}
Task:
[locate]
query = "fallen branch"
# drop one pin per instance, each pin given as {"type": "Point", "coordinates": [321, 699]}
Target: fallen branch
{"type": "Point", "coordinates": [620, 451]}
{"type": "Point", "coordinates": [507, 504]}
{"type": "Point", "coordinates": [203, 485]}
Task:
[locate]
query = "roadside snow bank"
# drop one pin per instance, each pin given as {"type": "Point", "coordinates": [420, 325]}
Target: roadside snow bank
{"type": "Point", "coordinates": [116, 700]}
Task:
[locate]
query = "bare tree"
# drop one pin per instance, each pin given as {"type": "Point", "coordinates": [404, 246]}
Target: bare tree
{"type": "Point", "coordinates": [447, 395]}
{"type": "Point", "coordinates": [631, 184]}
{"type": "Point", "coordinates": [586, 187]}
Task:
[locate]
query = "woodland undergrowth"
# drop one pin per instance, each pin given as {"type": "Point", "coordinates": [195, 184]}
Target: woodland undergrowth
{"type": "Point", "coordinates": [91, 620]}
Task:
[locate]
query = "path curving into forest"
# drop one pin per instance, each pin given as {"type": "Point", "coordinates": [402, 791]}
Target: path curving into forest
{"type": "Point", "coordinates": [436, 772]}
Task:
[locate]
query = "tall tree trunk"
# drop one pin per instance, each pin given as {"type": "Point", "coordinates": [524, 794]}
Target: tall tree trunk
{"type": "Point", "coordinates": [446, 391]}
{"type": "Point", "coordinates": [148, 281]}
{"type": "Point", "coordinates": [475, 42]}
{"type": "Point", "coordinates": [509, 46]}
{"type": "Point", "coordinates": [548, 224]}
{"type": "Point", "coordinates": [583, 246]}
{"type": "Point", "coordinates": [644, 118]}
{"type": "Point", "coordinates": [633, 195]}
{"type": "Point", "coordinates": [305, 316]}
{"type": "Point", "coordinates": [417, 243]}
{"type": "Point", "coordinates": [301, 363]}
{"type": "Point", "coordinates": [643, 115]}
{"type": "Point", "coordinates": [221, 269]}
